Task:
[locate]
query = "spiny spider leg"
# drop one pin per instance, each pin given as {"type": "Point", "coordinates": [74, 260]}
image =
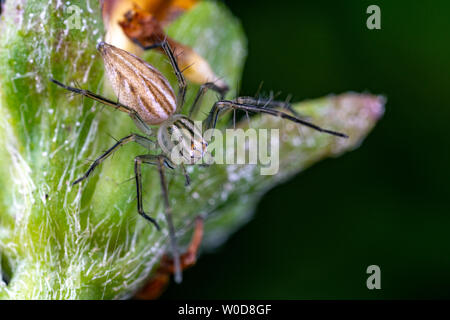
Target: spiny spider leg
{"type": "Point", "coordinates": [173, 61]}
{"type": "Point", "coordinates": [116, 105]}
{"type": "Point", "coordinates": [161, 162]}
{"type": "Point", "coordinates": [201, 92]}
{"type": "Point", "coordinates": [268, 103]}
{"type": "Point", "coordinates": [158, 282]}
{"type": "Point", "coordinates": [189, 257]}
{"type": "Point", "coordinates": [226, 104]}
{"type": "Point", "coordinates": [143, 141]}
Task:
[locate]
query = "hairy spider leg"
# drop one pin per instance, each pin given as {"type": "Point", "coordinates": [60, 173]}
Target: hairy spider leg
{"type": "Point", "coordinates": [268, 103]}
{"type": "Point", "coordinates": [161, 162]}
{"type": "Point", "coordinates": [143, 141]}
{"type": "Point", "coordinates": [201, 92]}
{"type": "Point", "coordinates": [166, 268]}
{"type": "Point", "coordinates": [223, 105]}
{"type": "Point", "coordinates": [116, 105]}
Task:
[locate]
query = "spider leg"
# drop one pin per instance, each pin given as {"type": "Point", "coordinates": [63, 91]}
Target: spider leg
{"type": "Point", "coordinates": [158, 282]}
{"type": "Point", "coordinates": [186, 175]}
{"type": "Point", "coordinates": [143, 141]}
{"type": "Point", "coordinates": [268, 103]}
{"type": "Point", "coordinates": [189, 257]}
{"type": "Point", "coordinates": [140, 123]}
{"type": "Point", "coordinates": [222, 105]}
{"type": "Point", "coordinates": [161, 162]}
{"type": "Point", "coordinates": [173, 62]}
{"type": "Point", "coordinates": [201, 92]}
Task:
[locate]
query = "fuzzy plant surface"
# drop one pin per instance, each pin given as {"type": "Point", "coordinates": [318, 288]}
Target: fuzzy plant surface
{"type": "Point", "coordinates": [87, 241]}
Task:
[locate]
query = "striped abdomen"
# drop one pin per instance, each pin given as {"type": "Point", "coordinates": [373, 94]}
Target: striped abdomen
{"type": "Point", "coordinates": [138, 85]}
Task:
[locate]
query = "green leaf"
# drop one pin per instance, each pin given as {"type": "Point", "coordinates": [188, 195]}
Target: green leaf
{"type": "Point", "coordinates": [88, 242]}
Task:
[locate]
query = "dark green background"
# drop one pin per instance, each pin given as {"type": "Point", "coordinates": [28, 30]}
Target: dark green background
{"type": "Point", "coordinates": [386, 203]}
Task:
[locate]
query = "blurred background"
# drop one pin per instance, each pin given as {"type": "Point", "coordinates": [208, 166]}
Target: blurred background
{"type": "Point", "coordinates": [388, 202]}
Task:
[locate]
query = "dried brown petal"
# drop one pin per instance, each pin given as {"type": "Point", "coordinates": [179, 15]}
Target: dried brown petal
{"type": "Point", "coordinates": [113, 11]}
{"type": "Point", "coordinates": [143, 27]}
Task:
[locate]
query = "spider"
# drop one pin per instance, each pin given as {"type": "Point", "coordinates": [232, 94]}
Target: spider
{"type": "Point", "coordinates": [148, 98]}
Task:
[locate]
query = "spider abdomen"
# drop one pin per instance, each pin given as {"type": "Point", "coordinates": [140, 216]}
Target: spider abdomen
{"type": "Point", "coordinates": [138, 85]}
